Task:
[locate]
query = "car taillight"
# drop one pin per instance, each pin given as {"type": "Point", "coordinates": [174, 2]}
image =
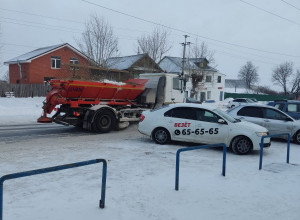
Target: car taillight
{"type": "Point", "coordinates": [142, 118]}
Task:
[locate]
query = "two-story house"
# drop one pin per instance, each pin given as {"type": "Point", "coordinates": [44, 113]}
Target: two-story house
{"type": "Point", "coordinates": [46, 63]}
{"type": "Point", "coordinates": [203, 81]}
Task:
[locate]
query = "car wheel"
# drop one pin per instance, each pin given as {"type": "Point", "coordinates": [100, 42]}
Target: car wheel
{"type": "Point", "coordinates": [241, 145]}
{"type": "Point", "coordinates": [161, 136]}
{"type": "Point", "coordinates": [297, 137]}
{"type": "Point", "coordinates": [104, 121]}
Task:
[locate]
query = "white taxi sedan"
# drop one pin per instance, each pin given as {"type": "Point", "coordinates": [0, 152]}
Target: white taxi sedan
{"type": "Point", "coordinates": [200, 124]}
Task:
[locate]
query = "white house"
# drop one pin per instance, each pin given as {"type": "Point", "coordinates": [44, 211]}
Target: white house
{"type": "Point", "coordinates": [210, 84]}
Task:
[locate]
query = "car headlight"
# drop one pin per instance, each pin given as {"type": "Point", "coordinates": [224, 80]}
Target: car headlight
{"type": "Point", "coordinates": [260, 134]}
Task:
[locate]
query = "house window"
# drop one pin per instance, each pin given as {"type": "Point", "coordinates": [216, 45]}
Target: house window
{"type": "Point", "coordinates": [55, 62]}
{"type": "Point", "coordinates": [176, 84]}
{"type": "Point", "coordinates": [208, 94]}
{"type": "Point", "coordinates": [208, 78]}
{"type": "Point", "coordinates": [74, 61]}
{"type": "Point", "coordinates": [219, 79]}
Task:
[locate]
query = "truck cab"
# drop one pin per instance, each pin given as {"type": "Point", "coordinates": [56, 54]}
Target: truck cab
{"type": "Point", "coordinates": [162, 88]}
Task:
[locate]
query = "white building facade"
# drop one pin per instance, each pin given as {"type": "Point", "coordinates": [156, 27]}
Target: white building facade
{"type": "Point", "coordinates": [209, 83]}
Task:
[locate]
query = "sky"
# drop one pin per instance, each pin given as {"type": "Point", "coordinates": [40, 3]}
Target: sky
{"type": "Point", "coordinates": [266, 32]}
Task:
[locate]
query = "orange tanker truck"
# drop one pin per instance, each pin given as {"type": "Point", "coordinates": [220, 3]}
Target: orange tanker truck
{"type": "Point", "coordinates": [104, 106]}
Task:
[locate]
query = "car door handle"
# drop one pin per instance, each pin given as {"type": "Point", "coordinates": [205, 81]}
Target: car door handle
{"type": "Point", "coordinates": [266, 120]}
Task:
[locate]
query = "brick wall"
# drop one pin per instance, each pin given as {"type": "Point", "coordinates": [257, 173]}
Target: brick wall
{"type": "Point", "coordinates": [40, 67]}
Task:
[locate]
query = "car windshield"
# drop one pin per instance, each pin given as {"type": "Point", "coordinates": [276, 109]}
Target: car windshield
{"type": "Point", "coordinates": [225, 116]}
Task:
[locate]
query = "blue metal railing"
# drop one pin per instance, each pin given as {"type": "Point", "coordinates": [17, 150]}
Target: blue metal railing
{"type": "Point", "coordinates": [270, 136]}
{"type": "Point", "coordinates": [196, 148]}
{"type": "Point", "coordinates": [52, 169]}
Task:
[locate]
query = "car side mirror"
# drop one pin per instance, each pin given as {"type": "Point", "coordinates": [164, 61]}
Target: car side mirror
{"type": "Point", "coordinates": [221, 121]}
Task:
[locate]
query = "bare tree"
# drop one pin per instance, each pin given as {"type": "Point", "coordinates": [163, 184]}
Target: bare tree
{"type": "Point", "coordinates": [6, 76]}
{"type": "Point", "coordinates": [196, 75]}
{"type": "Point", "coordinates": [155, 44]}
{"type": "Point", "coordinates": [196, 78]}
{"type": "Point", "coordinates": [296, 83]}
{"type": "Point", "coordinates": [249, 74]}
{"type": "Point", "coordinates": [281, 75]}
{"type": "Point", "coordinates": [201, 51]}
{"type": "Point", "coordinates": [266, 90]}
{"type": "Point", "coordinates": [98, 40]}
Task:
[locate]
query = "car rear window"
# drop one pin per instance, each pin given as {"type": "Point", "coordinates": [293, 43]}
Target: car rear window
{"type": "Point", "coordinates": [182, 112]}
{"type": "Point", "coordinates": [274, 114]}
{"type": "Point", "coordinates": [251, 111]}
{"type": "Point", "coordinates": [293, 108]}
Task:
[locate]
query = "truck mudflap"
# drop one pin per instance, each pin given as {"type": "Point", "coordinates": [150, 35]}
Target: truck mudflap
{"type": "Point", "coordinates": [87, 121]}
{"type": "Point", "coordinates": [44, 119]}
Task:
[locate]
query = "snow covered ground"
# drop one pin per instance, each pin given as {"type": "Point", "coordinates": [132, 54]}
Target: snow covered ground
{"type": "Point", "coordinates": [140, 177]}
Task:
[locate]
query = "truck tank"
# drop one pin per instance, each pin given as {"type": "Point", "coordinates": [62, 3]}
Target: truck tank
{"type": "Point", "coordinates": [75, 93]}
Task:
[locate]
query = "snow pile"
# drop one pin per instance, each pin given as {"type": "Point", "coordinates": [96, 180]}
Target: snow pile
{"type": "Point", "coordinates": [114, 82]}
{"type": "Point", "coordinates": [20, 110]}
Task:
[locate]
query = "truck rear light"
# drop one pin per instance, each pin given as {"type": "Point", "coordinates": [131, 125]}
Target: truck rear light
{"type": "Point", "coordinates": [142, 118]}
{"type": "Point", "coordinates": [76, 114]}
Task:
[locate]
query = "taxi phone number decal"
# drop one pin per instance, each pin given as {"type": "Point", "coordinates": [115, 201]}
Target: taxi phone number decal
{"type": "Point", "coordinates": [198, 131]}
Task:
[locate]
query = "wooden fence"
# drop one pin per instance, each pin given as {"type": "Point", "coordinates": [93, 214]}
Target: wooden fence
{"type": "Point", "coordinates": [24, 90]}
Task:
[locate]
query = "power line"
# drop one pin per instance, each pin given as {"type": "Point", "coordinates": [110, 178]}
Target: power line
{"type": "Point", "coordinates": [40, 24]}
{"type": "Point", "coordinates": [290, 4]}
{"type": "Point", "coordinates": [186, 32]}
{"type": "Point", "coordinates": [124, 38]}
{"type": "Point", "coordinates": [294, 22]}
{"type": "Point", "coordinates": [60, 19]}
{"type": "Point", "coordinates": [39, 15]}
{"type": "Point", "coordinates": [19, 45]}
{"type": "Point", "coordinates": [29, 25]}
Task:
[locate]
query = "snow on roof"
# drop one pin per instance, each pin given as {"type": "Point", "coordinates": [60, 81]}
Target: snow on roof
{"type": "Point", "coordinates": [123, 63]}
{"type": "Point", "coordinates": [174, 64]}
{"type": "Point", "coordinates": [32, 54]}
{"type": "Point", "coordinates": [27, 57]}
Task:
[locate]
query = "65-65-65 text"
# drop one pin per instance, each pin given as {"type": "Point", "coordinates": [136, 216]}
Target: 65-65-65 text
{"type": "Point", "coordinates": [198, 131]}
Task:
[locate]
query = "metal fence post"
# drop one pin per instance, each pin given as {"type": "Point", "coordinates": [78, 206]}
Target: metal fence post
{"type": "Point", "coordinates": [274, 135]}
{"type": "Point", "coordinates": [288, 149]}
{"type": "Point", "coordinates": [196, 148]}
{"type": "Point", "coordinates": [52, 169]}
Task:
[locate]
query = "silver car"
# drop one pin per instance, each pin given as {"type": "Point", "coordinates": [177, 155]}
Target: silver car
{"type": "Point", "coordinates": [239, 101]}
{"type": "Point", "coordinates": [276, 121]}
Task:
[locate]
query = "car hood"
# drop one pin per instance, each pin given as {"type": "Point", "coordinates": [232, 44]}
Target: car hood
{"type": "Point", "coordinates": [249, 125]}
{"type": "Point", "coordinates": [296, 123]}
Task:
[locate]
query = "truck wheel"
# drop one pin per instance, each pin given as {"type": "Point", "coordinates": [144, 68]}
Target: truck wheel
{"type": "Point", "coordinates": [241, 145]}
{"type": "Point", "coordinates": [161, 136]}
{"type": "Point", "coordinates": [104, 121]}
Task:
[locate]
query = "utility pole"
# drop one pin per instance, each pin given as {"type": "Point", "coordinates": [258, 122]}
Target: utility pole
{"type": "Point", "coordinates": [183, 59]}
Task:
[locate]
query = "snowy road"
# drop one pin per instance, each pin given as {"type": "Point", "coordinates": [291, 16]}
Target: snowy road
{"type": "Point", "coordinates": [21, 132]}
